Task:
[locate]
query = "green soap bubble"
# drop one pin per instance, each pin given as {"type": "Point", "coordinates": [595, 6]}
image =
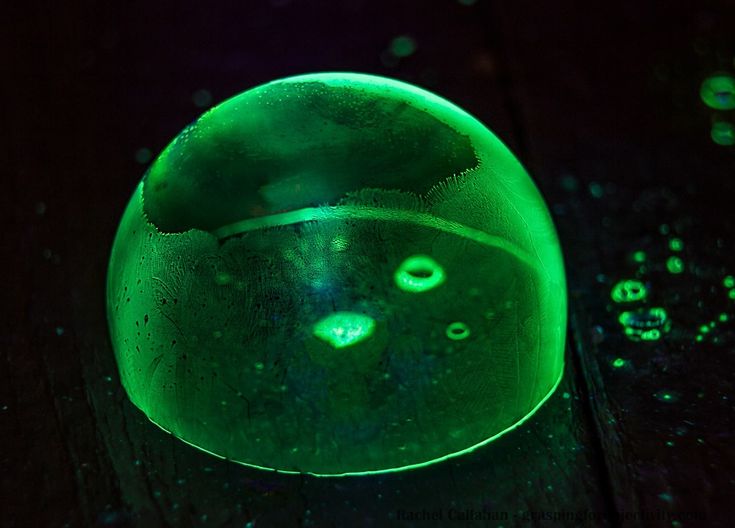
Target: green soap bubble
{"type": "Point", "coordinates": [629, 291]}
{"type": "Point", "coordinates": [676, 244]}
{"type": "Point", "coordinates": [723, 133]}
{"type": "Point", "coordinates": [296, 253]}
{"type": "Point", "coordinates": [618, 362]}
{"type": "Point", "coordinates": [718, 92]}
{"type": "Point", "coordinates": [728, 281]}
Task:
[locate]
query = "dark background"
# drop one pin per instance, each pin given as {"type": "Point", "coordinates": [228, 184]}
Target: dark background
{"type": "Point", "coordinates": [599, 100]}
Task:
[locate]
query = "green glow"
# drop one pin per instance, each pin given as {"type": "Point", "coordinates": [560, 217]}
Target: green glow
{"type": "Point", "coordinates": [645, 324]}
{"type": "Point", "coordinates": [618, 362]}
{"type": "Point", "coordinates": [675, 244]}
{"type": "Point", "coordinates": [627, 291]}
{"type": "Point", "coordinates": [724, 318]}
{"type": "Point", "coordinates": [419, 273]}
{"type": "Point", "coordinates": [718, 92]}
{"type": "Point", "coordinates": [639, 256]}
{"type": "Point", "coordinates": [403, 46]}
{"type": "Point", "coordinates": [731, 294]}
{"type": "Point", "coordinates": [729, 282]}
{"type": "Point", "coordinates": [260, 253]}
{"type": "Point", "coordinates": [675, 265]}
{"type": "Point", "coordinates": [700, 338]}
{"type": "Point", "coordinates": [723, 133]}
{"type": "Point", "coordinates": [458, 331]}
{"type": "Point", "coordinates": [704, 329]}
{"type": "Point", "coordinates": [343, 329]}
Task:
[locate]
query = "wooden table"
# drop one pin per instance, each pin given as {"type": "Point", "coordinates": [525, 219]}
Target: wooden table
{"type": "Point", "coordinates": [601, 104]}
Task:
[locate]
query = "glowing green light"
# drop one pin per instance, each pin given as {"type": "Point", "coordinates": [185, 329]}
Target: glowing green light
{"type": "Point", "coordinates": [675, 265]}
{"type": "Point", "coordinates": [675, 244]}
{"type": "Point", "coordinates": [343, 329]}
{"type": "Point", "coordinates": [262, 285]}
{"type": "Point", "coordinates": [718, 92]}
{"type": "Point", "coordinates": [403, 46]}
{"type": "Point", "coordinates": [639, 256]}
{"type": "Point", "coordinates": [724, 318]}
{"type": "Point", "coordinates": [618, 362]}
{"type": "Point", "coordinates": [458, 331]}
{"type": "Point", "coordinates": [700, 338]}
{"type": "Point", "coordinates": [723, 133]}
{"type": "Point", "coordinates": [419, 273]}
{"type": "Point", "coordinates": [704, 329]}
{"type": "Point", "coordinates": [729, 282]}
{"type": "Point", "coordinates": [627, 291]}
{"type": "Point", "coordinates": [731, 294]}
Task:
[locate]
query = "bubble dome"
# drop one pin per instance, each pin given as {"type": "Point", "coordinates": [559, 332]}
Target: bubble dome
{"type": "Point", "coordinates": [337, 274]}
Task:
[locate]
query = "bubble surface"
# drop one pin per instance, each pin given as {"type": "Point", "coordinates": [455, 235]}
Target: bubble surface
{"type": "Point", "coordinates": [300, 253]}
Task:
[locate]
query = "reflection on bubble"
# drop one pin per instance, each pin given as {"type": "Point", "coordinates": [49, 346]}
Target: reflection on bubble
{"type": "Point", "coordinates": [343, 329]}
{"type": "Point", "coordinates": [645, 324]}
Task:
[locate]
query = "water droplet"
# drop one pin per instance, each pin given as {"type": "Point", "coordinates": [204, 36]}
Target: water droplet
{"type": "Point", "coordinates": [675, 265]}
{"type": "Point", "coordinates": [676, 244]}
{"type": "Point", "coordinates": [201, 98]}
{"type": "Point", "coordinates": [639, 256]}
{"type": "Point", "coordinates": [723, 133]}
{"type": "Point", "coordinates": [143, 155]}
{"type": "Point", "coordinates": [627, 291]}
{"type": "Point", "coordinates": [403, 46]}
{"type": "Point", "coordinates": [645, 324]}
{"type": "Point", "coordinates": [718, 92]}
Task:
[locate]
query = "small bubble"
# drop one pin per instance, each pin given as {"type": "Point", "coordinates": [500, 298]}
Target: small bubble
{"type": "Point", "coordinates": [59, 330]}
{"type": "Point", "coordinates": [723, 317]}
{"type": "Point", "coordinates": [419, 273]}
{"type": "Point", "coordinates": [645, 324]}
{"type": "Point", "coordinates": [675, 265]}
{"type": "Point", "coordinates": [639, 256]}
{"type": "Point", "coordinates": [718, 92]}
{"type": "Point", "coordinates": [618, 362]}
{"type": "Point", "coordinates": [675, 244]}
{"type": "Point", "coordinates": [627, 291]}
{"type": "Point", "coordinates": [731, 294]}
{"type": "Point", "coordinates": [403, 46]}
{"type": "Point", "coordinates": [596, 190]}
{"type": "Point", "coordinates": [458, 331]}
{"type": "Point", "coordinates": [201, 98]}
{"type": "Point", "coordinates": [259, 365]}
{"type": "Point", "coordinates": [143, 155]}
{"type": "Point", "coordinates": [566, 395]}
{"type": "Point", "coordinates": [723, 133]}
{"type": "Point", "coordinates": [663, 229]}
{"type": "Point", "coordinates": [729, 282]}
